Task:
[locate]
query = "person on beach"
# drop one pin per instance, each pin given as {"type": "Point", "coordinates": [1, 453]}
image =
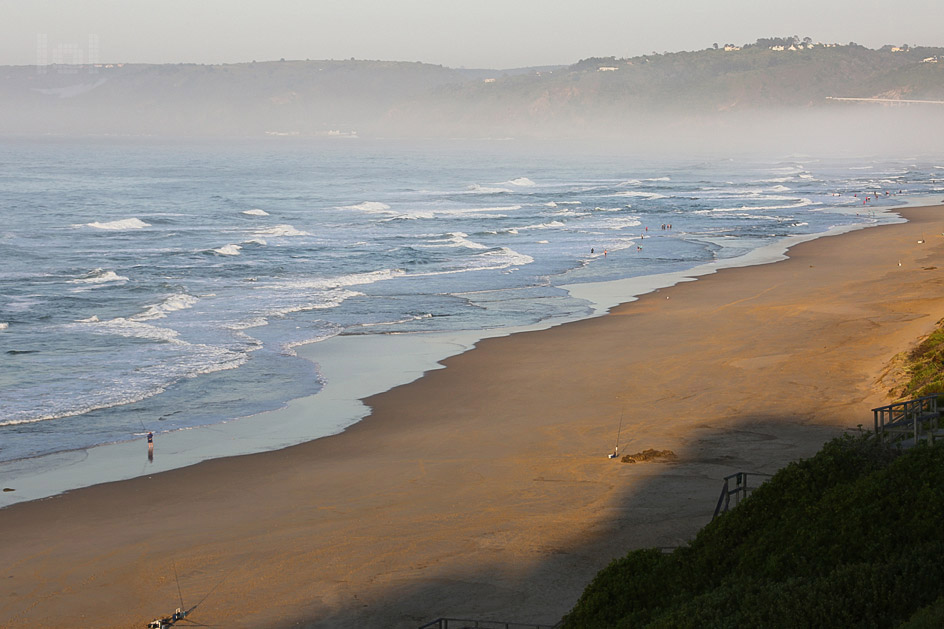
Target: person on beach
{"type": "Point", "coordinates": [150, 440]}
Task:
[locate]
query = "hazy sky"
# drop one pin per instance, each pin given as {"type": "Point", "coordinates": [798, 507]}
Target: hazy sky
{"type": "Point", "coordinates": [470, 33]}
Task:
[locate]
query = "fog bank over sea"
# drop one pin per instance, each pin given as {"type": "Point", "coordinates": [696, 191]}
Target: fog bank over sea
{"type": "Point", "coordinates": [782, 94]}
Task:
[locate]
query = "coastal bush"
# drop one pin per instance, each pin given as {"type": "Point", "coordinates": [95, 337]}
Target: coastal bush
{"type": "Point", "coordinates": [849, 537]}
{"type": "Point", "coordinates": [930, 617]}
{"type": "Point", "coordinates": [925, 366]}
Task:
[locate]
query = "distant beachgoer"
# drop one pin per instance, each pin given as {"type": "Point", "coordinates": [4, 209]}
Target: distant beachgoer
{"type": "Point", "coordinates": [150, 439]}
{"type": "Point", "coordinates": [591, 249]}
{"type": "Point", "coordinates": [604, 253]}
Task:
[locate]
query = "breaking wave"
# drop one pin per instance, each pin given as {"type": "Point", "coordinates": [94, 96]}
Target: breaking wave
{"type": "Point", "coordinates": [126, 223]}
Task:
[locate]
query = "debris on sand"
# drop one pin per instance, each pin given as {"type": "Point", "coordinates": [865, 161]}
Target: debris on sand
{"type": "Point", "coordinates": [649, 455]}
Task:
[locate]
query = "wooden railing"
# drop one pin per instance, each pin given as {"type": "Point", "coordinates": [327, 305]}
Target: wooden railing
{"type": "Point", "coordinates": [740, 490]}
{"type": "Point", "coordinates": [908, 422]}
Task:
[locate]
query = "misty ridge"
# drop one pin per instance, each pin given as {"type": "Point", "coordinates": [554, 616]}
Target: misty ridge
{"type": "Point", "coordinates": [768, 90]}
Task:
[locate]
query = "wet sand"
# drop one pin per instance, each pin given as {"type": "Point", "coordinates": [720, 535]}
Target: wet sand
{"type": "Point", "coordinates": [483, 490]}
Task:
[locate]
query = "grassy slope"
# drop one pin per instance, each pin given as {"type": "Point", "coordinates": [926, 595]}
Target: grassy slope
{"type": "Point", "coordinates": [850, 537]}
{"type": "Point", "coordinates": [925, 366]}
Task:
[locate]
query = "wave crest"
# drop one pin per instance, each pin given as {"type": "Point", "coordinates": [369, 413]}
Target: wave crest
{"type": "Point", "coordinates": [228, 250]}
{"type": "Point", "coordinates": [99, 276]}
{"type": "Point", "coordinates": [178, 301]}
{"type": "Point", "coordinates": [125, 223]}
{"type": "Point", "coordinates": [280, 231]}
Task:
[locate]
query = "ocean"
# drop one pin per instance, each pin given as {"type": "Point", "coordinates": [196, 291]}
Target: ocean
{"type": "Point", "coordinates": [149, 285]}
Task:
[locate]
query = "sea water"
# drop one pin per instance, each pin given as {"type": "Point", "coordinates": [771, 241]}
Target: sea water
{"type": "Point", "coordinates": [149, 285]}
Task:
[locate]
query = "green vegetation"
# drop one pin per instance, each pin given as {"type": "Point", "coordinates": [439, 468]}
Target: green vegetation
{"type": "Point", "coordinates": [850, 537]}
{"type": "Point", "coordinates": [600, 95]}
{"type": "Point", "coordinates": [925, 366]}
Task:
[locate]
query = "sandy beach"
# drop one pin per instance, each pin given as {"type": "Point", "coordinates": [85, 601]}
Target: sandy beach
{"type": "Point", "coordinates": [483, 490]}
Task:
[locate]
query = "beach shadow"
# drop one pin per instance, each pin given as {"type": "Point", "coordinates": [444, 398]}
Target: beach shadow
{"type": "Point", "coordinates": [664, 504]}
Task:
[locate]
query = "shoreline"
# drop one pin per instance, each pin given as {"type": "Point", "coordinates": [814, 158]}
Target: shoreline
{"type": "Point", "coordinates": [483, 490]}
{"type": "Point", "coordinates": [348, 382]}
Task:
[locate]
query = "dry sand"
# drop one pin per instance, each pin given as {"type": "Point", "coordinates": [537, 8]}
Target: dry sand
{"type": "Point", "coordinates": [483, 490]}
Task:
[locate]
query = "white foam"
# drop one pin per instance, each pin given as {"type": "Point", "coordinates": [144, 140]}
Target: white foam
{"type": "Point", "coordinates": [452, 239]}
{"type": "Point", "coordinates": [228, 250]}
{"type": "Point", "coordinates": [255, 212]}
{"type": "Point", "coordinates": [621, 223]}
{"type": "Point", "coordinates": [503, 257]}
{"type": "Point", "coordinates": [255, 322]}
{"type": "Point", "coordinates": [473, 212]}
{"type": "Point", "coordinates": [409, 319]}
{"type": "Point", "coordinates": [99, 276]}
{"type": "Point", "coordinates": [4, 325]}
{"type": "Point", "coordinates": [492, 260]}
{"type": "Point", "coordinates": [477, 189]}
{"type": "Point", "coordinates": [183, 360]}
{"type": "Point", "coordinates": [173, 303]}
{"type": "Point", "coordinates": [745, 208]}
{"type": "Point", "coordinates": [325, 301]}
{"type": "Point", "coordinates": [129, 328]}
{"type": "Point", "coordinates": [550, 204]}
{"type": "Point", "coordinates": [354, 279]}
{"type": "Point", "coordinates": [92, 319]}
{"type": "Point", "coordinates": [288, 349]}
{"type": "Point", "coordinates": [780, 189]}
{"type": "Point", "coordinates": [658, 179]}
{"type": "Point", "coordinates": [640, 194]}
{"type": "Point", "coordinates": [523, 182]}
{"type": "Point", "coordinates": [280, 231]}
{"type": "Point", "coordinates": [575, 213]}
{"type": "Point", "coordinates": [368, 206]}
{"type": "Point", "coordinates": [550, 225]}
{"type": "Point", "coordinates": [127, 223]}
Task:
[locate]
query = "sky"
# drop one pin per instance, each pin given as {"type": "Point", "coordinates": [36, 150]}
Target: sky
{"type": "Point", "coordinates": [474, 34]}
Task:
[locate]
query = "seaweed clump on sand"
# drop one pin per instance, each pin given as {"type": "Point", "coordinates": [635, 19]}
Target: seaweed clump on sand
{"type": "Point", "coordinates": [649, 455]}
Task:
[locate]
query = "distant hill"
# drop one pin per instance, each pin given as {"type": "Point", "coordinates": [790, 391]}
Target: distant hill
{"type": "Point", "coordinates": [381, 98]}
